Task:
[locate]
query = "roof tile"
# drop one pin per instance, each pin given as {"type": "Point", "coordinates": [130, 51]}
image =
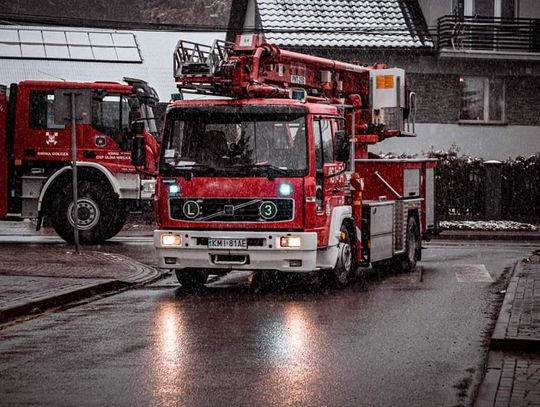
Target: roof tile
{"type": "Point", "coordinates": [339, 23]}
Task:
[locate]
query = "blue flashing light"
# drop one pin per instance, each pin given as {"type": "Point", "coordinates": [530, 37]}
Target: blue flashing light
{"type": "Point", "coordinates": [174, 189]}
{"type": "Point", "coordinates": [285, 189]}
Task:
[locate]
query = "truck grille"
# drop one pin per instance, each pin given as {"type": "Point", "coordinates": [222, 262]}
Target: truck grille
{"type": "Point", "coordinates": [232, 209]}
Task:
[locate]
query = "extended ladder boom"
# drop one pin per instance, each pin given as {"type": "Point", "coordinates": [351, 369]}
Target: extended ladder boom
{"type": "Point", "coordinates": [251, 67]}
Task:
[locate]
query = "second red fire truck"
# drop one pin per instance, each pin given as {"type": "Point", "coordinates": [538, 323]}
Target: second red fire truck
{"type": "Point", "coordinates": [277, 175]}
{"type": "Point", "coordinates": [35, 156]}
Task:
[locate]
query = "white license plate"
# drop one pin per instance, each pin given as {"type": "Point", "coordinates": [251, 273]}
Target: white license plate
{"type": "Point", "coordinates": [227, 243]}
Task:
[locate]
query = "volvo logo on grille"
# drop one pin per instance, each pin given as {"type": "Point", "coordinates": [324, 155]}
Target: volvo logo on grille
{"type": "Point", "coordinates": [191, 209]}
{"type": "Point", "coordinates": [228, 209]}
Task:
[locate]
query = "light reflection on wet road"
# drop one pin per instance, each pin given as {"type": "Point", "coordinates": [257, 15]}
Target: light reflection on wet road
{"type": "Point", "coordinates": [395, 341]}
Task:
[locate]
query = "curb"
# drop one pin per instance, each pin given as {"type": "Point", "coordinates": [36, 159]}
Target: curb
{"type": "Point", "coordinates": [488, 388]}
{"type": "Point", "coordinates": [487, 235]}
{"type": "Point", "coordinates": [39, 305]}
{"type": "Point", "coordinates": [499, 340]}
{"type": "Point", "coordinates": [142, 274]}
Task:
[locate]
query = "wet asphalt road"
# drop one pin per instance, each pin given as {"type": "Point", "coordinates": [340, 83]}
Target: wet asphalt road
{"type": "Point", "coordinates": [393, 341]}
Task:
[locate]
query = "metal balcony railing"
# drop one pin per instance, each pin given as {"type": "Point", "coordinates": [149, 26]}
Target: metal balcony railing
{"type": "Point", "coordinates": [501, 35]}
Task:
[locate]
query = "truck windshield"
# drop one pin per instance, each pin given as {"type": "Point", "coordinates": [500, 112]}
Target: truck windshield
{"type": "Point", "coordinates": [220, 142]}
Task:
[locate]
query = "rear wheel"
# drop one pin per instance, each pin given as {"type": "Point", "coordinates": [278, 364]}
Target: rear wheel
{"type": "Point", "coordinates": [407, 261]}
{"type": "Point", "coordinates": [345, 267]}
{"type": "Point", "coordinates": [192, 279]}
{"type": "Point", "coordinates": [97, 207]}
{"type": "Point", "coordinates": [382, 267]}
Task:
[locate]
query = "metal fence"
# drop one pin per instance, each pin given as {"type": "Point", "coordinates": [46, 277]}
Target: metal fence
{"type": "Point", "coordinates": [472, 189]}
{"type": "Point", "coordinates": [520, 187]}
{"type": "Point", "coordinates": [488, 34]}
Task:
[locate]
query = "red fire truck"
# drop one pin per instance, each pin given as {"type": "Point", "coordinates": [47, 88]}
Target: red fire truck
{"type": "Point", "coordinates": [35, 155]}
{"type": "Point", "coordinates": [277, 175]}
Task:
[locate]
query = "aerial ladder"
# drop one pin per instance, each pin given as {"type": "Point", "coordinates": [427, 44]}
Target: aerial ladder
{"type": "Point", "coordinates": [374, 97]}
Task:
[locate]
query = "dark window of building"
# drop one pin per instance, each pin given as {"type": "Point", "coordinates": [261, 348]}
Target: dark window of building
{"type": "Point", "coordinates": [485, 8]}
{"type": "Point", "coordinates": [482, 99]}
{"type": "Point", "coordinates": [508, 8]}
{"type": "Point", "coordinates": [41, 114]}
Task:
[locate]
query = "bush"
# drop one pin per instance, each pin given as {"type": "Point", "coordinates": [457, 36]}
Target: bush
{"type": "Point", "coordinates": [461, 192]}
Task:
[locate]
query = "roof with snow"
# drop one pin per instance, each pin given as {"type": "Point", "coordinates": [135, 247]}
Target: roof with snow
{"type": "Point", "coordinates": [338, 23]}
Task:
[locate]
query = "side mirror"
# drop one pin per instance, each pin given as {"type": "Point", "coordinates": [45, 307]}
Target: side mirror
{"type": "Point", "coordinates": [137, 127]}
{"type": "Point", "coordinates": [343, 147]}
{"type": "Point", "coordinates": [133, 116]}
{"type": "Point", "coordinates": [138, 149]}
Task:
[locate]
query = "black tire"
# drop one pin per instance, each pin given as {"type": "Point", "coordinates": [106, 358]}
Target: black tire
{"type": "Point", "coordinates": [258, 282]}
{"type": "Point", "coordinates": [345, 269]}
{"type": "Point", "coordinates": [192, 279]}
{"type": "Point", "coordinates": [98, 207]}
{"type": "Point", "coordinates": [382, 267]}
{"type": "Point", "coordinates": [117, 224]}
{"type": "Point", "coordinates": [407, 262]}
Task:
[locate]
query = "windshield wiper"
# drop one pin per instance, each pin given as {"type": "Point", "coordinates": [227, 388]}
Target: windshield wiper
{"type": "Point", "coordinates": [272, 170]}
{"type": "Point", "coordinates": [195, 165]}
{"type": "Point", "coordinates": [189, 174]}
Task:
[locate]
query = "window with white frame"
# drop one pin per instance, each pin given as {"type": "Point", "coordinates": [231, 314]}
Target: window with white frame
{"type": "Point", "coordinates": [482, 100]}
{"type": "Point", "coordinates": [101, 46]}
{"type": "Point", "coordinates": [486, 8]}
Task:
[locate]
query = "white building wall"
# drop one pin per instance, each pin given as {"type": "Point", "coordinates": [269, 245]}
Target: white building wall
{"type": "Point", "coordinates": [156, 49]}
{"type": "Point", "coordinates": [433, 9]}
{"type": "Point", "coordinates": [488, 142]}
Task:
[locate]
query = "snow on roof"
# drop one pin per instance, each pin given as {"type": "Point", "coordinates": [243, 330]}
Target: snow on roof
{"type": "Point", "coordinates": [343, 23]}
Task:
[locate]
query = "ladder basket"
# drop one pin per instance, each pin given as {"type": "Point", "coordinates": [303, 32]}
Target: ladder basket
{"type": "Point", "coordinates": [192, 59]}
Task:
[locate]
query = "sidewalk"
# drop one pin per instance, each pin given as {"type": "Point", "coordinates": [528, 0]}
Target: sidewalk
{"type": "Point", "coordinates": [36, 277]}
{"type": "Point", "coordinates": [513, 369]}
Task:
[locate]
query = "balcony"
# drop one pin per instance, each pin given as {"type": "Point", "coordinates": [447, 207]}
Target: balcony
{"type": "Point", "coordinates": [488, 38]}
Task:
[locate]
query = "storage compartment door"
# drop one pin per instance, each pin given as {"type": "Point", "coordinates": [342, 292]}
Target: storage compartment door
{"type": "Point", "coordinates": [381, 221]}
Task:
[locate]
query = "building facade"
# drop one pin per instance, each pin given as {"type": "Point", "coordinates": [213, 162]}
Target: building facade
{"type": "Point", "coordinates": [474, 64]}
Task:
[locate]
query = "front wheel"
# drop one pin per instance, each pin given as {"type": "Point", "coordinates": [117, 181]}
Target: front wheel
{"type": "Point", "coordinates": [96, 211]}
{"type": "Point", "coordinates": [345, 267]}
{"type": "Point", "coordinates": [192, 279]}
{"type": "Point", "coordinates": [117, 223]}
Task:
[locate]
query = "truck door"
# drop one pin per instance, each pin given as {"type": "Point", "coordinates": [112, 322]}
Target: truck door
{"type": "Point", "coordinates": [107, 140]}
{"type": "Point", "coordinates": [329, 187]}
{"type": "Point", "coordinates": [44, 139]}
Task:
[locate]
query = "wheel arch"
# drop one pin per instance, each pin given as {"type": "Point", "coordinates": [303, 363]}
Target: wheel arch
{"type": "Point", "coordinates": [85, 171]}
{"type": "Point", "coordinates": [327, 257]}
{"type": "Point", "coordinates": [340, 215]}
